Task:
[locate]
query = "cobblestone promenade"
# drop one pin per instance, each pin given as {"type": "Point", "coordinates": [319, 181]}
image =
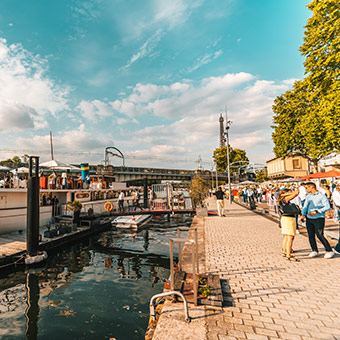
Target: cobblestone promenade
{"type": "Point", "coordinates": [271, 297]}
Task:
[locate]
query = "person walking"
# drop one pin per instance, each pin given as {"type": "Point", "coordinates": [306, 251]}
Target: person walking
{"type": "Point", "coordinates": [288, 221]}
{"type": "Point", "coordinates": [121, 201]}
{"type": "Point", "coordinates": [136, 200]}
{"type": "Point", "coordinates": [220, 201]}
{"type": "Point", "coordinates": [314, 208]}
{"type": "Point", "coordinates": [336, 202]}
{"type": "Point", "coordinates": [244, 194]}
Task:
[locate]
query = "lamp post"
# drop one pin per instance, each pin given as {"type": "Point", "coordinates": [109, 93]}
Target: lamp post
{"type": "Point", "coordinates": [227, 127]}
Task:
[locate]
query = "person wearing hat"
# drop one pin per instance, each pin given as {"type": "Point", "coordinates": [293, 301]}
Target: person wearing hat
{"type": "Point", "coordinates": [288, 222]}
{"type": "Point", "coordinates": [314, 208]}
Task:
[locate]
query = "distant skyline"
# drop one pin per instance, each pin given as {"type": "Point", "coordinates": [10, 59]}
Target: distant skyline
{"type": "Point", "coordinates": [148, 77]}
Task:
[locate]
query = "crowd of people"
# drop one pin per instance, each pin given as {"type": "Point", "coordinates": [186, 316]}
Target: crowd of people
{"type": "Point", "coordinates": [12, 179]}
{"type": "Point", "coordinates": [304, 201]}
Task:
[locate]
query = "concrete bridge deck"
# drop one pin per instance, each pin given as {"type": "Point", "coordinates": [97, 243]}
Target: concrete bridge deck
{"type": "Point", "coordinates": [268, 296]}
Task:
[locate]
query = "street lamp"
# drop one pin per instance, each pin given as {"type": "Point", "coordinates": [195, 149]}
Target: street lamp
{"type": "Point", "coordinates": [227, 127]}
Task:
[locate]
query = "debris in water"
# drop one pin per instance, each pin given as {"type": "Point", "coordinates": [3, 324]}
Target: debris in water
{"type": "Point", "coordinates": [126, 307]}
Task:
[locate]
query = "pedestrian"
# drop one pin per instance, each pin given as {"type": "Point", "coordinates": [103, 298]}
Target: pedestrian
{"type": "Point", "coordinates": [250, 197]}
{"type": "Point", "coordinates": [136, 200]}
{"type": "Point", "coordinates": [328, 194]}
{"type": "Point", "coordinates": [288, 221]}
{"type": "Point", "coordinates": [121, 201]}
{"type": "Point", "coordinates": [314, 208]}
{"type": "Point", "coordinates": [336, 201]}
{"type": "Point", "coordinates": [244, 194]}
{"type": "Point", "coordinates": [220, 201]}
{"type": "Point", "coordinates": [303, 193]}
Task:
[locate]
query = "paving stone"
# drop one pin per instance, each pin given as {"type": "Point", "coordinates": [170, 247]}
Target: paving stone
{"type": "Point", "coordinates": [273, 296]}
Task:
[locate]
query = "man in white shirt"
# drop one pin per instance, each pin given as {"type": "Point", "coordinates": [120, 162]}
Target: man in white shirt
{"type": "Point", "coordinates": [121, 201]}
{"type": "Point", "coordinates": [302, 193]}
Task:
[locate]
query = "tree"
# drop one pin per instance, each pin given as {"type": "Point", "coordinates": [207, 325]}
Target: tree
{"type": "Point", "coordinates": [262, 176]}
{"type": "Point", "coordinates": [15, 162]}
{"type": "Point", "coordinates": [306, 118]}
{"type": "Point", "coordinates": [235, 155]}
{"type": "Point", "coordinates": [321, 45]}
{"type": "Point", "coordinates": [199, 190]}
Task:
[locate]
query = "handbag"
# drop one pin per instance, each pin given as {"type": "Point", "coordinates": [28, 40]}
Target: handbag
{"type": "Point", "coordinates": [289, 209]}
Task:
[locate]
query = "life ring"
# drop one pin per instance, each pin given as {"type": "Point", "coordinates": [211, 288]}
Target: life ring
{"type": "Point", "coordinates": [108, 206]}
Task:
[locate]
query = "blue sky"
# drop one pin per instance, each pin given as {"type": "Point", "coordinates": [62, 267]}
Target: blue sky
{"type": "Point", "coordinates": [149, 77]}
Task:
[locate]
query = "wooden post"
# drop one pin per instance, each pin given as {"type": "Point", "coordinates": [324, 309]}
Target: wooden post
{"type": "Point", "coordinates": [194, 277]}
{"type": "Point", "coordinates": [172, 276]}
{"type": "Point", "coordinates": [196, 246]}
{"type": "Point", "coordinates": [179, 249]}
{"type": "Point", "coordinates": [32, 233]}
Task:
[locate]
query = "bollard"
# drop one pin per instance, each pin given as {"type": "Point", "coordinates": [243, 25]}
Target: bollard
{"type": "Point", "coordinates": [32, 233]}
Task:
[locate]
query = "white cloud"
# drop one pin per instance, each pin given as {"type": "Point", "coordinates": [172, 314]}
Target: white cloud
{"type": "Point", "coordinates": [15, 116]}
{"type": "Point", "coordinates": [174, 12]}
{"type": "Point", "coordinates": [25, 90]}
{"type": "Point", "coordinates": [205, 59]}
{"type": "Point", "coordinates": [195, 108]}
{"type": "Point", "coordinates": [66, 144]}
{"type": "Point", "coordinates": [146, 49]}
{"type": "Point", "coordinates": [94, 110]}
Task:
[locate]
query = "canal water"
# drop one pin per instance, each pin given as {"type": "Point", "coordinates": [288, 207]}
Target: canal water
{"type": "Point", "coordinates": [99, 289]}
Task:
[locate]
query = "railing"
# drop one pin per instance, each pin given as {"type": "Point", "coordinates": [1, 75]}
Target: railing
{"type": "Point", "coordinates": [194, 258]}
{"type": "Point", "coordinates": [152, 306]}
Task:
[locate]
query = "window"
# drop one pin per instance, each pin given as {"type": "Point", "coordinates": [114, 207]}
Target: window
{"type": "Point", "coordinates": [296, 164]}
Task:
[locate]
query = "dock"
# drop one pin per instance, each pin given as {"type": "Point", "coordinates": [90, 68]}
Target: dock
{"type": "Point", "coordinates": [266, 297]}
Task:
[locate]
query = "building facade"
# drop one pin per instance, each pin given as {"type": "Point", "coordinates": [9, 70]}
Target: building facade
{"type": "Point", "coordinates": [290, 167]}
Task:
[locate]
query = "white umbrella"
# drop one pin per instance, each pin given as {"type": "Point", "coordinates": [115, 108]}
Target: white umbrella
{"type": "Point", "coordinates": [22, 170]}
{"type": "Point", "coordinates": [4, 168]}
{"type": "Point", "coordinates": [247, 183]}
{"type": "Point", "coordinates": [53, 164]}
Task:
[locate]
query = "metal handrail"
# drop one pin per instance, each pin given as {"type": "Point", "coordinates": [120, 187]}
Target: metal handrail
{"type": "Point", "coordinates": [152, 307]}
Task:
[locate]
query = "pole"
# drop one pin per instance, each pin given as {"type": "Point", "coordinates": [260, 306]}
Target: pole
{"type": "Point", "coordinates": [51, 142]}
{"type": "Point", "coordinates": [32, 234]}
{"type": "Point", "coordinates": [227, 127]}
{"type": "Point", "coordinates": [216, 176]}
{"type": "Point", "coordinates": [228, 161]}
{"type": "Point", "coordinates": [145, 193]}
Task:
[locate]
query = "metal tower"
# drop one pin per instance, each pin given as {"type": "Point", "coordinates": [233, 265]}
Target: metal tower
{"type": "Point", "coordinates": [222, 138]}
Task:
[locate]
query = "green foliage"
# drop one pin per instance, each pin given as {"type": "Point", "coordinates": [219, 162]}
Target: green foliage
{"type": "Point", "coordinates": [74, 206]}
{"type": "Point", "coordinates": [14, 162]}
{"type": "Point", "coordinates": [261, 176]}
{"type": "Point", "coordinates": [235, 155]}
{"type": "Point", "coordinates": [199, 190]}
{"type": "Point", "coordinates": [306, 118]}
{"type": "Point", "coordinates": [204, 291]}
{"type": "Point", "coordinates": [321, 45]}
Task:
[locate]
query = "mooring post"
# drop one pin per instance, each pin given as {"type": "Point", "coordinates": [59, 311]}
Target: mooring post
{"type": "Point", "coordinates": [145, 193]}
{"type": "Point", "coordinates": [32, 234]}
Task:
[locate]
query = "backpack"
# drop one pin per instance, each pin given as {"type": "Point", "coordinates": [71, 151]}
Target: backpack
{"type": "Point", "coordinates": [289, 209]}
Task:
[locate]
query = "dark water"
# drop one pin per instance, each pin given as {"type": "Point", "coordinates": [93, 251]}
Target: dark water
{"type": "Point", "coordinates": [99, 289]}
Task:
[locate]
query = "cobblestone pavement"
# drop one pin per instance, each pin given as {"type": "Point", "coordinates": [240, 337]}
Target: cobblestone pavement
{"type": "Point", "coordinates": [271, 297]}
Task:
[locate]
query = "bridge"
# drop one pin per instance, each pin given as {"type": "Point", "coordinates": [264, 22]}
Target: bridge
{"type": "Point", "coordinates": [129, 174]}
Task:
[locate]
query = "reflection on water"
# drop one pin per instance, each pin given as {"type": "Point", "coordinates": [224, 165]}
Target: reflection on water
{"type": "Point", "coordinates": [95, 290]}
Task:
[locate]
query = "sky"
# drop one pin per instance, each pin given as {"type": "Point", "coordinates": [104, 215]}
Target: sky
{"type": "Point", "coordinates": [149, 77]}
